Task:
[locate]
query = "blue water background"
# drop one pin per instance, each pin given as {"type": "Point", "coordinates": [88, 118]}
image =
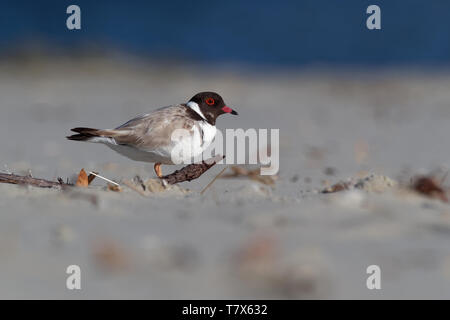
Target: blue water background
{"type": "Point", "coordinates": [267, 33]}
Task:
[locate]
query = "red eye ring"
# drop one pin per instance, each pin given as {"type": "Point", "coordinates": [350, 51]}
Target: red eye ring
{"type": "Point", "coordinates": [210, 101]}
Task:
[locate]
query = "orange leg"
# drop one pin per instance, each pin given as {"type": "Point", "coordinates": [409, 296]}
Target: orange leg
{"type": "Point", "coordinates": [158, 170]}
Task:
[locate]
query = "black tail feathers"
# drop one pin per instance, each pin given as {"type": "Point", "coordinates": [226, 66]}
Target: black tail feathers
{"type": "Point", "coordinates": [84, 134]}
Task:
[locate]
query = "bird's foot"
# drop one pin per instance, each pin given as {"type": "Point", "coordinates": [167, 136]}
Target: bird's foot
{"type": "Point", "coordinates": [158, 170]}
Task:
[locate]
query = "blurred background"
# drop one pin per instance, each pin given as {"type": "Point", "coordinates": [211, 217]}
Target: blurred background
{"type": "Point", "coordinates": [348, 102]}
{"type": "Point", "coordinates": [259, 34]}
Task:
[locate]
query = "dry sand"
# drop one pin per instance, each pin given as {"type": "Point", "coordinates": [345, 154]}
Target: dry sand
{"type": "Point", "coordinates": [241, 239]}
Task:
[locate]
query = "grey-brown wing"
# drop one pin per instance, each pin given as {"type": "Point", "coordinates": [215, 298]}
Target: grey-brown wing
{"type": "Point", "coordinates": [153, 130]}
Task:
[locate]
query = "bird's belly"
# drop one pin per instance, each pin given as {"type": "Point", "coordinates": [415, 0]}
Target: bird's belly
{"type": "Point", "coordinates": [161, 155]}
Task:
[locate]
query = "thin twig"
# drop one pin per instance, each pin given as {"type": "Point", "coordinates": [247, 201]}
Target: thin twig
{"type": "Point", "coordinates": [106, 179]}
{"type": "Point", "coordinates": [27, 180]}
{"type": "Point", "coordinates": [212, 181]}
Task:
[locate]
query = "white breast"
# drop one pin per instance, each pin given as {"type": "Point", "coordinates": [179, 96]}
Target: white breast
{"type": "Point", "coordinates": [209, 132]}
{"type": "Point", "coordinates": [204, 132]}
{"type": "Point", "coordinates": [188, 146]}
{"type": "Point", "coordinates": [202, 135]}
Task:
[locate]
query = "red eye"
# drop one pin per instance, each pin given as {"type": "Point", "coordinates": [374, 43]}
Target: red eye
{"type": "Point", "coordinates": [210, 101]}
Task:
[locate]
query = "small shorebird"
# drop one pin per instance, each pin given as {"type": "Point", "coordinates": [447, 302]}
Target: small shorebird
{"type": "Point", "coordinates": [148, 137]}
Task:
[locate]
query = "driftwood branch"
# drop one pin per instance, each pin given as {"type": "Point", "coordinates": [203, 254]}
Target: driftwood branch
{"type": "Point", "coordinates": [188, 173]}
{"type": "Point", "coordinates": [192, 171]}
{"type": "Point", "coordinates": [28, 180]}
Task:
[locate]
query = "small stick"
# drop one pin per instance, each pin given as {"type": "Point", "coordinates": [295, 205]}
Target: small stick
{"type": "Point", "coordinates": [99, 176]}
{"type": "Point", "coordinates": [27, 180]}
{"type": "Point", "coordinates": [192, 171]}
{"type": "Point", "coordinates": [212, 181]}
{"type": "Point", "coordinates": [188, 173]}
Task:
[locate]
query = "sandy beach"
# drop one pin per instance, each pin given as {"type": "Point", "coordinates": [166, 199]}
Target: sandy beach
{"type": "Point", "coordinates": [241, 238]}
